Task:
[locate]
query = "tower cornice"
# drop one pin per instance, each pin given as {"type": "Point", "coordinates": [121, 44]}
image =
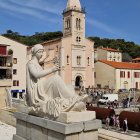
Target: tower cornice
{"type": "Point", "coordinates": [75, 9]}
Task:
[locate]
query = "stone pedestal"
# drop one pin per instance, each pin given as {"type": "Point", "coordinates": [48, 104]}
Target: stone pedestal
{"type": "Point", "coordinates": [35, 128]}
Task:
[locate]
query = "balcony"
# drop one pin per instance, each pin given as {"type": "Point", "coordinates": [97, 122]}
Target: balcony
{"type": "Point", "coordinates": [6, 66]}
{"type": "Point", "coordinates": [5, 55]}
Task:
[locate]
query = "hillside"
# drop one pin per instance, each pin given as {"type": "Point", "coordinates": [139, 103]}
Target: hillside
{"type": "Point", "coordinates": [129, 49]}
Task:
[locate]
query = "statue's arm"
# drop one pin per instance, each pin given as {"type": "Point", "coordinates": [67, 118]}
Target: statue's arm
{"type": "Point", "coordinates": [41, 73]}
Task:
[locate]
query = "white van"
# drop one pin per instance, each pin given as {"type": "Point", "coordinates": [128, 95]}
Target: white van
{"type": "Point", "coordinates": [108, 98]}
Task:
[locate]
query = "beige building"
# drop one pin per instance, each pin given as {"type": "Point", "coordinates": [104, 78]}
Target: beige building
{"type": "Point", "coordinates": [13, 65]}
{"type": "Point", "coordinates": [108, 54]}
{"type": "Point", "coordinates": [75, 51]}
{"type": "Point", "coordinates": [117, 75]}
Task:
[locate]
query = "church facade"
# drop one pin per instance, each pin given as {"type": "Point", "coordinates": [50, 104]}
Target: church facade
{"type": "Point", "coordinates": [75, 51]}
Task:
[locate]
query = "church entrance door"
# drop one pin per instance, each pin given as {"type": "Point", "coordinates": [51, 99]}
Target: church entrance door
{"type": "Point", "coordinates": [78, 81]}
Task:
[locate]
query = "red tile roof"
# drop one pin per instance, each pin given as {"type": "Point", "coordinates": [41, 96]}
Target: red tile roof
{"type": "Point", "coordinates": [137, 58]}
{"type": "Point", "coordinates": [110, 49]}
{"type": "Point", "coordinates": [122, 65]}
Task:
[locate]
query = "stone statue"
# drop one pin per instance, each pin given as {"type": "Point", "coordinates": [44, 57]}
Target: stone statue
{"type": "Point", "coordinates": [49, 97]}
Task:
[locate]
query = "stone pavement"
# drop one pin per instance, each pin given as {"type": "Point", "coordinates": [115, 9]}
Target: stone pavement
{"type": "Point", "coordinates": [129, 132]}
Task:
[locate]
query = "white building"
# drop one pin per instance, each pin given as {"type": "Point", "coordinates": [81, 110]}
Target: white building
{"type": "Point", "coordinates": [117, 75]}
{"type": "Point", "coordinates": [108, 54]}
{"type": "Point", "coordinates": [14, 65]}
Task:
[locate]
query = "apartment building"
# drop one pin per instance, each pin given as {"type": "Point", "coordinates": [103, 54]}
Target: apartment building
{"type": "Point", "coordinates": [13, 65]}
{"type": "Point", "coordinates": [108, 54]}
{"type": "Point", "coordinates": [117, 75]}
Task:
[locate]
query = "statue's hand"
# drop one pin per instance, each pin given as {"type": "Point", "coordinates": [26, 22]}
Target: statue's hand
{"type": "Point", "coordinates": [55, 60]}
{"type": "Point", "coordinates": [56, 68]}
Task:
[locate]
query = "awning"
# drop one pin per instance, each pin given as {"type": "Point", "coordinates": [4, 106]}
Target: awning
{"type": "Point", "coordinates": [17, 91]}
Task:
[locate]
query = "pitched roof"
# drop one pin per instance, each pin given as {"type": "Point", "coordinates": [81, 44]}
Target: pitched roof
{"type": "Point", "coordinates": [50, 41]}
{"type": "Point", "coordinates": [137, 58]}
{"type": "Point", "coordinates": [110, 49]}
{"type": "Point", "coordinates": [122, 65]}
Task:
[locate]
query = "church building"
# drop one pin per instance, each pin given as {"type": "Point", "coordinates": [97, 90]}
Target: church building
{"type": "Point", "coordinates": [75, 51]}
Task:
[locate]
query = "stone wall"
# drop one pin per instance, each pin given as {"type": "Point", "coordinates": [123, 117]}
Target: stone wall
{"type": "Point", "coordinates": [35, 128]}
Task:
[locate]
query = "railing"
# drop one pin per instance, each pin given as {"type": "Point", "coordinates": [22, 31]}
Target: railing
{"type": "Point", "coordinates": [5, 55]}
{"type": "Point", "coordinates": [74, 9]}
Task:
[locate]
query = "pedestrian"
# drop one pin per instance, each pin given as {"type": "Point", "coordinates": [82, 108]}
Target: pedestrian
{"type": "Point", "coordinates": [125, 126]}
{"type": "Point", "coordinates": [107, 122]}
{"type": "Point", "coordinates": [114, 120]}
{"type": "Point", "coordinates": [117, 122]}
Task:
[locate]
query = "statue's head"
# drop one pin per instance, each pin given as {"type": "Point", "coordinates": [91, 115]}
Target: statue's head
{"type": "Point", "coordinates": [37, 50]}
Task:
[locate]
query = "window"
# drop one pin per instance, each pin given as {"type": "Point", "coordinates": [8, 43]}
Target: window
{"type": "Point", "coordinates": [67, 60]}
{"type": "Point", "coordinates": [78, 60]}
{"type": "Point", "coordinates": [14, 60]}
{"type": "Point", "coordinates": [15, 83]}
{"type": "Point", "coordinates": [128, 74]}
{"type": "Point", "coordinates": [118, 58]}
{"type": "Point", "coordinates": [137, 74]}
{"type": "Point", "coordinates": [56, 48]}
{"type": "Point", "coordinates": [78, 39]}
{"type": "Point", "coordinates": [78, 23]}
{"type": "Point", "coordinates": [88, 61]}
{"type": "Point", "coordinates": [94, 74]}
{"type": "Point", "coordinates": [14, 71]}
{"type": "Point", "coordinates": [137, 85]}
{"type": "Point", "coordinates": [68, 24]}
{"type": "Point", "coordinates": [110, 57]}
{"type": "Point", "coordinates": [122, 74]}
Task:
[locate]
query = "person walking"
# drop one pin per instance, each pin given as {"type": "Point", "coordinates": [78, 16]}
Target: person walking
{"type": "Point", "coordinates": [107, 122]}
{"type": "Point", "coordinates": [117, 122]}
{"type": "Point", "coordinates": [125, 126]}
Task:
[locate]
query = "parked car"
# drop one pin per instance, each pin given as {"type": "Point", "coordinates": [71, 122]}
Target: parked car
{"type": "Point", "coordinates": [108, 98]}
{"type": "Point", "coordinates": [123, 91]}
{"type": "Point", "coordinates": [133, 89]}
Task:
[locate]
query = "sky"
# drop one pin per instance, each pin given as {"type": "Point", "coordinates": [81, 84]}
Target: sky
{"type": "Point", "coordinates": [104, 18]}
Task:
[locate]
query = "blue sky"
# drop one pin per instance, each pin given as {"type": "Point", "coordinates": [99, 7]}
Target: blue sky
{"type": "Point", "coordinates": [104, 18]}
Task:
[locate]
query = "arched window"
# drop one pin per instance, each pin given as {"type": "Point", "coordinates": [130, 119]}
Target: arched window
{"type": "Point", "coordinates": [67, 59]}
{"type": "Point", "coordinates": [78, 60]}
{"type": "Point", "coordinates": [68, 23]}
{"type": "Point", "coordinates": [88, 61]}
{"type": "Point", "coordinates": [79, 24]}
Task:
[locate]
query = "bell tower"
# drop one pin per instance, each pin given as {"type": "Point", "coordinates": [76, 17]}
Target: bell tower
{"type": "Point", "coordinates": [74, 22]}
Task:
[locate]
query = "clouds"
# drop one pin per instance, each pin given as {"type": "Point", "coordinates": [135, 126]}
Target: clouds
{"type": "Point", "coordinates": [107, 28]}
{"type": "Point", "coordinates": [40, 9]}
